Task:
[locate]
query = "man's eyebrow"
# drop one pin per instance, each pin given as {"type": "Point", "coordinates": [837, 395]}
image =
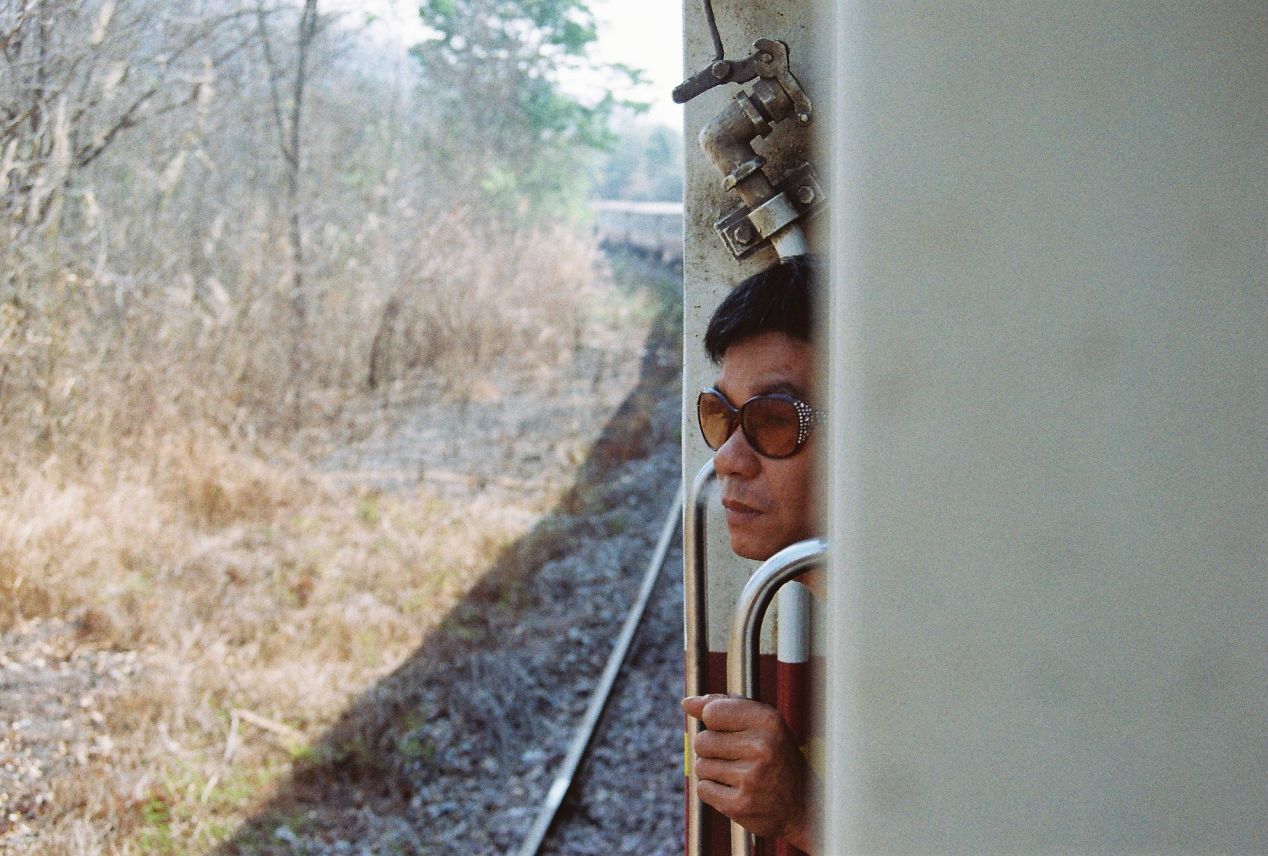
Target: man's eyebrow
{"type": "Point", "coordinates": [783, 386]}
{"type": "Point", "coordinates": [786, 387]}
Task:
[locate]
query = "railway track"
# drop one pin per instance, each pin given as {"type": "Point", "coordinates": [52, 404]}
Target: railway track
{"type": "Point", "coordinates": [502, 710]}
{"type": "Point", "coordinates": [455, 750]}
{"type": "Point", "coordinates": [583, 745]}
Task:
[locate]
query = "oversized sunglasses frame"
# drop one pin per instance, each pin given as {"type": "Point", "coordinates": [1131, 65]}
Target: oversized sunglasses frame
{"type": "Point", "coordinates": [807, 418]}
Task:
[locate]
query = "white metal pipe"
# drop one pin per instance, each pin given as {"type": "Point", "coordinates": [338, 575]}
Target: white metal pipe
{"type": "Point", "coordinates": [790, 241]}
{"type": "Point", "coordinates": [793, 637]}
{"type": "Point", "coordinates": [746, 627]}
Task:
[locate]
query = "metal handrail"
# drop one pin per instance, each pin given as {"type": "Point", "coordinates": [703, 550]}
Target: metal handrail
{"type": "Point", "coordinates": [695, 630]}
{"type": "Point", "coordinates": [746, 625]}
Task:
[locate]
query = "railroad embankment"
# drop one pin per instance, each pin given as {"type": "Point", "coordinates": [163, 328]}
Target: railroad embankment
{"type": "Point", "coordinates": [456, 748]}
{"type": "Point", "coordinates": [374, 654]}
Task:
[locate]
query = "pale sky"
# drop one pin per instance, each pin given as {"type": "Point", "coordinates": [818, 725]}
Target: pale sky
{"type": "Point", "coordinates": [645, 34]}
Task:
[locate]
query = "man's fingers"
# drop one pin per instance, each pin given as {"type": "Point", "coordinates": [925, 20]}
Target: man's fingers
{"type": "Point", "coordinates": [721, 797]}
{"type": "Point", "coordinates": [731, 713]}
{"type": "Point", "coordinates": [726, 745]}
{"type": "Point", "coordinates": [694, 705]}
{"type": "Point", "coordinates": [729, 773]}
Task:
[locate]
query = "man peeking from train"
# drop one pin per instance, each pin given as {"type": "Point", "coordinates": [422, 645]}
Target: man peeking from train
{"type": "Point", "coordinates": [760, 416]}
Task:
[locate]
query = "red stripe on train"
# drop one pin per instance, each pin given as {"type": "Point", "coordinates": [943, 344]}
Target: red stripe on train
{"type": "Point", "coordinates": [784, 686]}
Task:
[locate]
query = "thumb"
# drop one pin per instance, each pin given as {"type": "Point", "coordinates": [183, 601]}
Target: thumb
{"type": "Point", "coordinates": [694, 705]}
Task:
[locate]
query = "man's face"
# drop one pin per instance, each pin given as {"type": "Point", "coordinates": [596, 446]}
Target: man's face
{"type": "Point", "coordinates": [770, 503]}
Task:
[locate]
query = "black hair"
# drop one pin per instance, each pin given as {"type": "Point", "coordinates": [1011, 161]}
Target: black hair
{"type": "Point", "coordinates": [780, 299]}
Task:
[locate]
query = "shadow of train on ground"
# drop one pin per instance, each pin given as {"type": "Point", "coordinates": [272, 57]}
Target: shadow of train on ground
{"type": "Point", "coordinates": [455, 749]}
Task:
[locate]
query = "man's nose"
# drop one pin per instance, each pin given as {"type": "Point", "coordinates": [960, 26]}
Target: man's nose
{"type": "Point", "coordinates": [736, 457]}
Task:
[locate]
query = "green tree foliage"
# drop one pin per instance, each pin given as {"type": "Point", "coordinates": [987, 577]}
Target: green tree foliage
{"type": "Point", "coordinates": [644, 165]}
{"type": "Point", "coordinates": [493, 71]}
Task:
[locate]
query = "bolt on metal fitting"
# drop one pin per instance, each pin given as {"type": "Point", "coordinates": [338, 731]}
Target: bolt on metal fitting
{"type": "Point", "coordinates": [805, 194]}
{"type": "Point", "coordinates": [743, 234]}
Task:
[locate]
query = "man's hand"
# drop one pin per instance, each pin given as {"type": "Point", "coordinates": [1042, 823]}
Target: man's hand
{"type": "Point", "coordinates": [750, 768]}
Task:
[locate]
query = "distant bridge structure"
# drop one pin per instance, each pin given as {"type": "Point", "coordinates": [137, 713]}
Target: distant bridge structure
{"type": "Point", "coordinates": [649, 228]}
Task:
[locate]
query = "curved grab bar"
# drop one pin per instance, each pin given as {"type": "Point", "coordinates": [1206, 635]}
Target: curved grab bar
{"type": "Point", "coordinates": [695, 630]}
{"type": "Point", "coordinates": [746, 625]}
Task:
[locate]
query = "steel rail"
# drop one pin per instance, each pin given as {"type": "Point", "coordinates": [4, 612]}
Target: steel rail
{"type": "Point", "coordinates": [746, 626]}
{"type": "Point", "coordinates": [599, 699]}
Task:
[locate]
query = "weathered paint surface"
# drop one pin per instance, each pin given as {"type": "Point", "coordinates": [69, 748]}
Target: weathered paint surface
{"type": "Point", "coordinates": [709, 268]}
{"type": "Point", "coordinates": [710, 271]}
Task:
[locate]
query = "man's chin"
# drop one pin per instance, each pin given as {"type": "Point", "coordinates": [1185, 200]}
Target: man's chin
{"type": "Point", "coordinates": [747, 547]}
{"type": "Point", "coordinates": [760, 546]}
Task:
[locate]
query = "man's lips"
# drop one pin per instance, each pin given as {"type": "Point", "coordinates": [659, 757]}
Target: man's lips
{"type": "Point", "coordinates": [739, 512]}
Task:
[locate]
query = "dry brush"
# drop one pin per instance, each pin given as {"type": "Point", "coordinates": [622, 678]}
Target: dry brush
{"type": "Point", "coordinates": [155, 492]}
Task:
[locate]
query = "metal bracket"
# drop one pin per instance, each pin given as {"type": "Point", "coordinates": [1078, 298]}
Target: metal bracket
{"type": "Point", "coordinates": [799, 196]}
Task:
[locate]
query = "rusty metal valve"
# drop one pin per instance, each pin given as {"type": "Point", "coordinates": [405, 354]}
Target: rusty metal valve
{"type": "Point", "coordinates": [768, 214]}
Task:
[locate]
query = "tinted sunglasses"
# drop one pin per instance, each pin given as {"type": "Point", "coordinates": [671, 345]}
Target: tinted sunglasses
{"type": "Point", "coordinates": [775, 424]}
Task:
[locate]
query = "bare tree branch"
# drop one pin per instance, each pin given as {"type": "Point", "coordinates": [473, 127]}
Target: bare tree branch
{"type": "Point", "coordinates": [274, 75]}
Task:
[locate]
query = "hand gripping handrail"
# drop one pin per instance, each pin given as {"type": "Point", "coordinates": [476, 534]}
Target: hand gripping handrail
{"type": "Point", "coordinates": [746, 627]}
{"type": "Point", "coordinates": [695, 630]}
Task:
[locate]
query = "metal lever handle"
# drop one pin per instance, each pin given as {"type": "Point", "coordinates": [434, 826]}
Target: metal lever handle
{"type": "Point", "coordinates": [769, 61]}
{"type": "Point", "coordinates": [746, 626]}
{"type": "Point", "coordinates": [718, 72]}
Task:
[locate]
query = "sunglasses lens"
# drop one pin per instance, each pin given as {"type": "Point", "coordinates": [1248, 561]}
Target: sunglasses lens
{"type": "Point", "coordinates": [715, 420]}
{"type": "Point", "coordinates": [771, 426]}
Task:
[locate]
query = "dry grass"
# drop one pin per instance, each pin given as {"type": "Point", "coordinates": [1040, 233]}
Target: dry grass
{"type": "Point", "coordinates": [152, 495]}
{"type": "Point", "coordinates": [161, 409]}
{"type": "Point", "coordinates": [260, 603]}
